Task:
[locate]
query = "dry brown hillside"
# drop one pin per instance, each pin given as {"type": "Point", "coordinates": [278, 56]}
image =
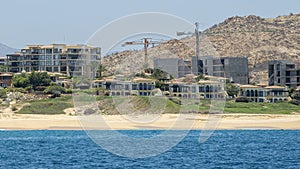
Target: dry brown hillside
{"type": "Point", "coordinates": [260, 39]}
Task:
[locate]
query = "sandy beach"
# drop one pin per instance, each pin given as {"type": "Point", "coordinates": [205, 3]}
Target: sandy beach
{"type": "Point", "coordinates": [165, 121]}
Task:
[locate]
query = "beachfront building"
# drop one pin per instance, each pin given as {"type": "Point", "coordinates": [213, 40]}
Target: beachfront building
{"type": "Point", "coordinates": [264, 94]}
{"type": "Point", "coordinates": [136, 86]}
{"type": "Point", "coordinates": [200, 90]}
{"type": "Point", "coordinates": [187, 87]}
{"type": "Point", "coordinates": [174, 66]}
{"type": "Point", "coordinates": [72, 60]}
{"type": "Point", "coordinates": [2, 60]}
{"type": "Point", "coordinates": [5, 80]}
{"type": "Point", "coordinates": [14, 63]}
{"type": "Point", "coordinates": [284, 73]}
{"type": "Point", "coordinates": [233, 68]}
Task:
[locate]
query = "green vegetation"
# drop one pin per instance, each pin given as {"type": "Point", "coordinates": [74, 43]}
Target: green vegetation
{"type": "Point", "coordinates": [261, 108]}
{"type": "Point", "coordinates": [39, 79]}
{"type": "Point", "coordinates": [3, 68]}
{"type": "Point", "coordinates": [21, 81]}
{"type": "Point", "coordinates": [48, 106]}
{"type": "Point", "coordinates": [159, 74]}
{"type": "Point", "coordinates": [201, 77]}
{"type": "Point", "coordinates": [57, 105]}
{"type": "Point", "coordinates": [156, 74]}
{"type": "Point", "coordinates": [296, 95]}
{"type": "Point", "coordinates": [100, 71]}
{"type": "Point", "coordinates": [232, 90]}
{"type": "Point", "coordinates": [55, 90]}
{"type": "Point", "coordinates": [252, 107]}
{"type": "Point", "coordinates": [3, 94]}
{"type": "Point", "coordinates": [31, 80]}
{"type": "Point", "coordinates": [172, 107]}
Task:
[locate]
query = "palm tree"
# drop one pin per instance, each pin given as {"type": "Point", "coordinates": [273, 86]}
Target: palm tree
{"type": "Point", "coordinates": [100, 70]}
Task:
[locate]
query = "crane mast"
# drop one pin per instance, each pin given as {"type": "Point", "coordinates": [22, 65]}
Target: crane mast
{"type": "Point", "coordinates": [145, 42]}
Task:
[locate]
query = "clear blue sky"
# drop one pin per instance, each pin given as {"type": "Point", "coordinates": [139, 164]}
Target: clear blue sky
{"type": "Point", "coordinates": [74, 21]}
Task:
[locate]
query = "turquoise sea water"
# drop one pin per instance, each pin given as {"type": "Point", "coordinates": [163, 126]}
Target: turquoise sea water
{"type": "Point", "coordinates": [225, 149]}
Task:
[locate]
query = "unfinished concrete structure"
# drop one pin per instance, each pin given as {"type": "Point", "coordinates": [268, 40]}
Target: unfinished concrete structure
{"type": "Point", "coordinates": [174, 66]}
{"type": "Point", "coordinates": [233, 68]}
{"type": "Point", "coordinates": [284, 73]}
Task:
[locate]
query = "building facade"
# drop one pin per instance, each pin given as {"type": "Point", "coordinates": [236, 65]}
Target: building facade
{"type": "Point", "coordinates": [264, 94]}
{"type": "Point", "coordinates": [199, 90]}
{"type": "Point", "coordinates": [2, 60]}
{"type": "Point", "coordinates": [284, 73]}
{"type": "Point", "coordinates": [5, 80]}
{"type": "Point", "coordinates": [137, 86]}
{"type": "Point", "coordinates": [233, 68]}
{"type": "Point", "coordinates": [173, 66]}
{"type": "Point", "coordinates": [72, 60]}
{"type": "Point", "coordinates": [203, 89]}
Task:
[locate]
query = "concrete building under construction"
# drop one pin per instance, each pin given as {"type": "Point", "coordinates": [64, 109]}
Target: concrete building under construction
{"type": "Point", "coordinates": [284, 73]}
{"type": "Point", "coordinates": [233, 68]}
{"type": "Point", "coordinates": [176, 67]}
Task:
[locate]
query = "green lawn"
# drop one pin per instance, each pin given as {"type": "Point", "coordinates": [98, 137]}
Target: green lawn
{"type": "Point", "coordinates": [261, 108]}
{"type": "Point", "coordinates": [253, 107]}
{"type": "Point", "coordinates": [48, 106]}
{"type": "Point", "coordinates": [57, 105]}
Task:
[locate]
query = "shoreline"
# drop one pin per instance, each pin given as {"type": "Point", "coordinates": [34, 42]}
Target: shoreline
{"type": "Point", "coordinates": [161, 122]}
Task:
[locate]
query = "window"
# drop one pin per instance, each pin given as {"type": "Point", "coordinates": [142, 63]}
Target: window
{"type": "Point", "coordinates": [134, 87]}
{"type": "Point", "coordinates": [201, 89]}
{"type": "Point", "coordinates": [247, 93]}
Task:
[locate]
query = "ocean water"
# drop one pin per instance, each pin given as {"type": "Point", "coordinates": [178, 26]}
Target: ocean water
{"type": "Point", "coordinates": [224, 149]}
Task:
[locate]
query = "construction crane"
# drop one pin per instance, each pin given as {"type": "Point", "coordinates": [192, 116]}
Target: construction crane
{"type": "Point", "coordinates": [146, 42]}
{"type": "Point", "coordinates": [197, 33]}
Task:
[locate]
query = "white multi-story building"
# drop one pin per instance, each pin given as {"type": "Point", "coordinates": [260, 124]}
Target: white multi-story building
{"type": "Point", "coordinates": [73, 60]}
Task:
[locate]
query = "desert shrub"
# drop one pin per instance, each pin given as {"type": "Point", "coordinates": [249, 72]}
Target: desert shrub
{"type": "Point", "coordinates": [54, 89]}
{"type": "Point", "coordinates": [40, 88]}
{"type": "Point", "coordinates": [295, 102]}
{"type": "Point", "coordinates": [14, 108]}
{"type": "Point", "coordinates": [29, 89]}
{"type": "Point", "coordinates": [3, 94]}
{"type": "Point", "coordinates": [296, 95]}
{"type": "Point", "coordinates": [242, 99]}
{"type": "Point", "coordinates": [21, 90]}
{"type": "Point", "coordinates": [69, 91]}
{"type": "Point", "coordinates": [232, 90]}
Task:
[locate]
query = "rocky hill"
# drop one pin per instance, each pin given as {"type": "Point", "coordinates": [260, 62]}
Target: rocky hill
{"type": "Point", "coordinates": [4, 50]}
{"type": "Point", "coordinates": [259, 39]}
